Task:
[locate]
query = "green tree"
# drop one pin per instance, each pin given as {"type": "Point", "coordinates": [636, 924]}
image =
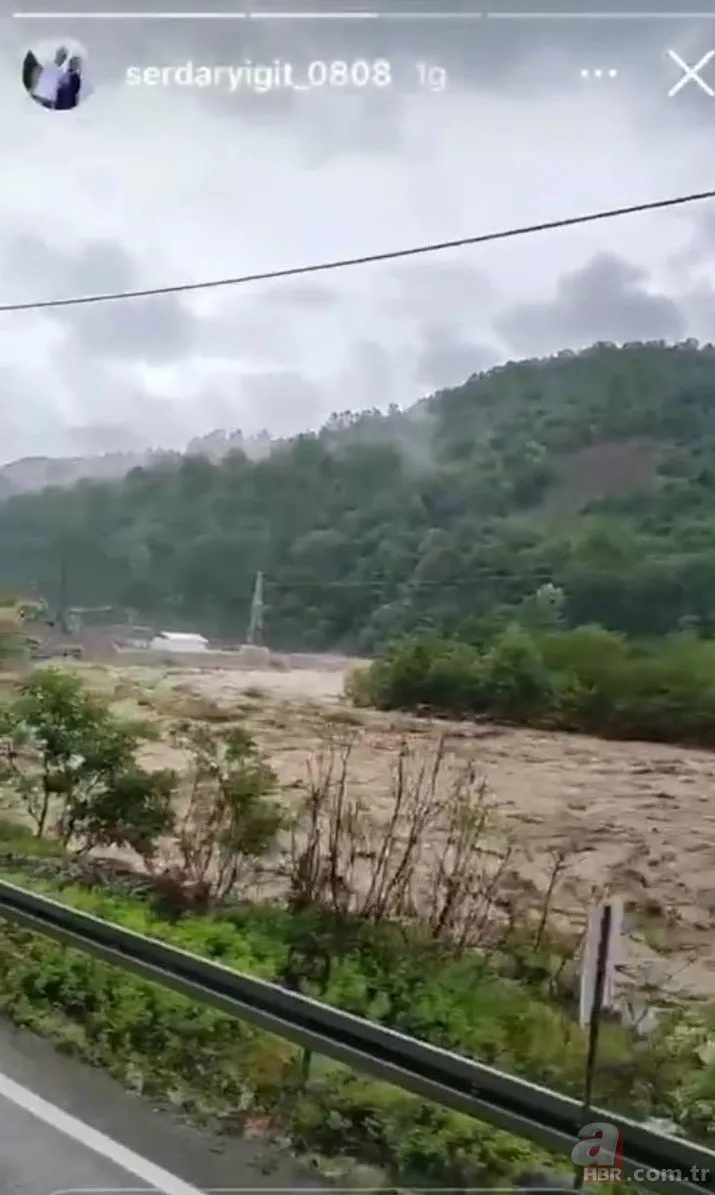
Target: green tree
{"type": "Point", "coordinates": [72, 766]}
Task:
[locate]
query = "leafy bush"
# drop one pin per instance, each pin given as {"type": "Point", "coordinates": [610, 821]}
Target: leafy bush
{"type": "Point", "coordinates": [229, 822]}
{"type": "Point", "coordinates": [588, 679]}
{"type": "Point", "coordinates": [72, 766]}
{"type": "Point", "coordinates": [413, 1142]}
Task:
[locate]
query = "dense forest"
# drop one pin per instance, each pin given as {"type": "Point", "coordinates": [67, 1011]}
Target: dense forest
{"type": "Point", "coordinates": [586, 478]}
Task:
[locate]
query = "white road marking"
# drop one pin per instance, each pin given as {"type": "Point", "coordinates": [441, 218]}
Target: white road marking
{"type": "Point", "coordinates": [155, 1176]}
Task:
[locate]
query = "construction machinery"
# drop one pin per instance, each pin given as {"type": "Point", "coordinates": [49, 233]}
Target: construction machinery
{"type": "Point", "coordinates": [19, 618]}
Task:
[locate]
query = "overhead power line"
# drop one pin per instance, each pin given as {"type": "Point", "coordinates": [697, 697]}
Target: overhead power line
{"type": "Point", "coordinates": [377, 583]}
{"type": "Point", "coordinates": [366, 259]}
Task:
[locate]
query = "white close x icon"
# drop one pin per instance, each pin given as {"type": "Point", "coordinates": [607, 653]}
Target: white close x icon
{"type": "Point", "coordinates": [691, 73]}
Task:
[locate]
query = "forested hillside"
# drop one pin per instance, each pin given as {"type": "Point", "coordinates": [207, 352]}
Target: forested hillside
{"type": "Point", "coordinates": [593, 472]}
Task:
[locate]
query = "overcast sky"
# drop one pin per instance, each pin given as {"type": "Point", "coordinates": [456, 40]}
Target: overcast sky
{"type": "Point", "coordinates": [149, 185]}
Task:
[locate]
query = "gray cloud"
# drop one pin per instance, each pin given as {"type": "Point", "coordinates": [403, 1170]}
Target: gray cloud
{"type": "Point", "coordinates": [149, 185]}
{"type": "Point", "coordinates": [698, 307]}
{"type": "Point", "coordinates": [421, 289]}
{"type": "Point", "coordinates": [478, 52]}
{"type": "Point", "coordinates": [31, 418]}
{"type": "Point", "coordinates": [282, 398]}
{"type": "Point", "coordinates": [445, 359]}
{"type": "Point", "coordinates": [372, 376]}
{"type": "Point", "coordinates": [700, 246]}
{"type": "Point", "coordinates": [608, 299]}
{"type": "Point", "coordinates": [38, 264]}
{"type": "Point", "coordinates": [99, 390]}
{"type": "Point", "coordinates": [253, 330]}
{"type": "Point", "coordinates": [152, 329]}
{"type": "Point", "coordinates": [313, 296]}
{"type": "Point", "coordinates": [101, 438]}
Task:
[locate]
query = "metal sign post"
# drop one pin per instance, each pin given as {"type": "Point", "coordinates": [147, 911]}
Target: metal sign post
{"type": "Point", "coordinates": [597, 992]}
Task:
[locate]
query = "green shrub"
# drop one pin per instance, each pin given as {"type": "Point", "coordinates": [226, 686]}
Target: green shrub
{"type": "Point", "coordinates": [588, 680]}
{"type": "Point", "coordinates": [413, 1142]}
{"type": "Point", "coordinates": [515, 680]}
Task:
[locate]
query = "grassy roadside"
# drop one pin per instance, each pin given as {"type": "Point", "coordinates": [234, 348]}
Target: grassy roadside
{"type": "Point", "coordinates": [220, 1071]}
{"type": "Point", "coordinates": [225, 1074]}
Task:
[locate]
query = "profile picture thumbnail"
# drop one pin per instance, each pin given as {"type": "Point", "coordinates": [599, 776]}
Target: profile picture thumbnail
{"type": "Point", "coordinates": [54, 74]}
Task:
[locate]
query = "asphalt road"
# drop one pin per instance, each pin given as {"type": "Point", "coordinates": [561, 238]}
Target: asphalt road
{"type": "Point", "coordinates": [65, 1127]}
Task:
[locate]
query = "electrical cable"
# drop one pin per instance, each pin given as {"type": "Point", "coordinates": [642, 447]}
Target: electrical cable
{"type": "Point", "coordinates": [366, 259]}
{"type": "Point", "coordinates": [482, 574]}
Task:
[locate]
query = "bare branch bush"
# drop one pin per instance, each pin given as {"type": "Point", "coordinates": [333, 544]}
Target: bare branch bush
{"type": "Point", "coordinates": [229, 823]}
{"type": "Point", "coordinates": [438, 855]}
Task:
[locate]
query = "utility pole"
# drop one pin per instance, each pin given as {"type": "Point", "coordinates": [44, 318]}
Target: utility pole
{"type": "Point", "coordinates": [62, 597]}
{"type": "Point", "coordinates": [254, 636]}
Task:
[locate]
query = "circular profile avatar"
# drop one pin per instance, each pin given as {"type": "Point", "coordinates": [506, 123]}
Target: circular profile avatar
{"type": "Point", "coordinates": [53, 74]}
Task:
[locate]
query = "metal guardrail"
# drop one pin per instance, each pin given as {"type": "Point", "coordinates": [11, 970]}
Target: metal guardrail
{"type": "Point", "coordinates": [515, 1105]}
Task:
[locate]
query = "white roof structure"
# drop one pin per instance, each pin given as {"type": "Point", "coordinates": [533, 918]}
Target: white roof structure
{"type": "Point", "coordinates": [179, 641]}
{"type": "Point", "coordinates": [181, 636]}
